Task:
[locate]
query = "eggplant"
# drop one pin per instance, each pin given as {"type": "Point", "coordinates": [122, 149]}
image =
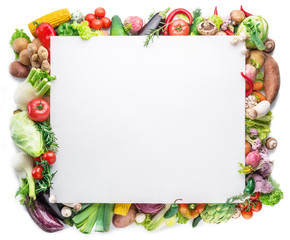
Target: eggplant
{"type": "Point", "coordinates": [46, 221]}
{"type": "Point", "coordinates": [157, 21]}
{"type": "Point", "coordinates": [53, 208]}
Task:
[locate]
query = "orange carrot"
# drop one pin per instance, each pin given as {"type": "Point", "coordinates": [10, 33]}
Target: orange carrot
{"type": "Point", "coordinates": [247, 148]}
{"type": "Point", "coordinates": [260, 96]}
{"type": "Point", "coordinates": [257, 86]}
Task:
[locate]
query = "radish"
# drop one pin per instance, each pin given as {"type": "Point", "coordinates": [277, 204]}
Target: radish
{"type": "Point", "coordinates": [251, 72]}
{"type": "Point", "coordinates": [253, 159]}
{"type": "Point", "coordinates": [133, 24]}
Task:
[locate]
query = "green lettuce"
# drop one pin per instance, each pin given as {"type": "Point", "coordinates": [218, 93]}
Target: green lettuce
{"type": "Point", "coordinates": [181, 219]}
{"type": "Point", "coordinates": [18, 34]}
{"type": "Point", "coordinates": [217, 20]}
{"type": "Point", "coordinates": [85, 31]}
{"type": "Point", "coordinates": [262, 124]}
{"type": "Point", "coordinates": [25, 135]}
{"type": "Point", "coordinates": [273, 197]}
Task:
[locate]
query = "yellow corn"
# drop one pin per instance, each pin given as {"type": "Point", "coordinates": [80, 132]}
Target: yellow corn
{"type": "Point", "coordinates": [122, 208]}
{"type": "Point", "coordinates": [55, 19]}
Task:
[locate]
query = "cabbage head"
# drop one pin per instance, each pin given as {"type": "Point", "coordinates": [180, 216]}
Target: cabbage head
{"type": "Point", "coordinates": [25, 135]}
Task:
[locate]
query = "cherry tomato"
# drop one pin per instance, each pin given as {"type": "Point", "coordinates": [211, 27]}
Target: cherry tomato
{"type": "Point", "coordinates": [100, 12]}
{"type": "Point", "coordinates": [97, 24]}
{"type": "Point", "coordinates": [257, 206]}
{"type": "Point", "coordinates": [38, 110]}
{"type": "Point", "coordinates": [106, 21]}
{"type": "Point", "coordinates": [37, 172]}
{"type": "Point", "coordinates": [255, 196]}
{"type": "Point", "coordinates": [89, 17]}
{"type": "Point", "coordinates": [37, 159]}
{"type": "Point", "coordinates": [49, 157]}
{"type": "Point", "coordinates": [244, 205]}
{"type": "Point", "coordinates": [247, 214]}
{"type": "Point", "coordinates": [179, 28]}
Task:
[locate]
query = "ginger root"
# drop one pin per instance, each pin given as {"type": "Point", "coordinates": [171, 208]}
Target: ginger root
{"type": "Point", "coordinates": [38, 56]}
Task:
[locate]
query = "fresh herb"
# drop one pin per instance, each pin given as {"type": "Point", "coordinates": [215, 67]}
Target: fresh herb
{"type": "Point", "coordinates": [180, 218]}
{"type": "Point", "coordinates": [23, 190]}
{"type": "Point", "coordinates": [254, 30]}
{"type": "Point", "coordinates": [46, 182]}
{"type": "Point", "coordinates": [155, 33]}
{"type": "Point", "coordinates": [152, 15]}
{"type": "Point", "coordinates": [240, 197]}
{"type": "Point", "coordinates": [196, 13]}
{"type": "Point", "coordinates": [18, 34]}
{"type": "Point", "coordinates": [48, 136]}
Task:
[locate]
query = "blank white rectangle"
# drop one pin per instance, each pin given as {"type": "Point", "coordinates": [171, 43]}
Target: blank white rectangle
{"type": "Point", "coordinates": [137, 124]}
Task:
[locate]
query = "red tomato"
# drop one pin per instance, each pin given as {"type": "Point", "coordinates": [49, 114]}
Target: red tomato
{"type": "Point", "coordinates": [247, 214]}
{"type": "Point", "coordinates": [37, 159]}
{"type": "Point", "coordinates": [179, 28]}
{"type": "Point", "coordinates": [255, 196]}
{"type": "Point", "coordinates": [38, 110]}
{"type": "Point", "coordinates": [257, 206]}
{"type": "Point", "coordinates": [89, 17]}
{"type": "Point", "coordinates": [49, 157]}
{"type": "Point", "coordinates": [106, 21]}
{"type": "Point", "coordinates": [97, 24]}
{"type": "Point", "coordinates": [100, 12]}
{"type": "Point", "coordinates": [37, 172]}
{"type": "Point", "coordinates": [244, 205]}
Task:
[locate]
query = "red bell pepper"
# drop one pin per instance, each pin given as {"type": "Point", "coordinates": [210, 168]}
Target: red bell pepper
{"type": "Point", "coordinates": [246, 13]}
{"type": "Point", "coordinates": [249, 81]}
{"type": "Point", "coordinates": [173, 14]}
{"type": "Point", "coordinates": [43, 32]}
{"type": "Point", "coordinates": [191, 211]}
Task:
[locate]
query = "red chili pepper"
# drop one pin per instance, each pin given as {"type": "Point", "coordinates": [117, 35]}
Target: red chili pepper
{"type": "Point", "coordinates": [173, 14]}
{"type": "Point", "coordinates": [229, 32]}
{"type": "Point", "coordinates": [43, 32]}
{"type": "Point", "coordinates": [215, 11]}
{"type": "Point", "coordinates": [246, 13]}
{"type": "Point", "coordinates": [249, 81]}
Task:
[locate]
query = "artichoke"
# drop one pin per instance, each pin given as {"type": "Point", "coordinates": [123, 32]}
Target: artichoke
{"type": "Point", "coordinates": [218, 212]}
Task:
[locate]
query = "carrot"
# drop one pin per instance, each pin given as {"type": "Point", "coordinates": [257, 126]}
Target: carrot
{"type": "Point", "coordinates": [259, 95]}
{"type": "Point", "coordinates": [257, 86]}
{"type": "Point", "coordinates": [247, 148]}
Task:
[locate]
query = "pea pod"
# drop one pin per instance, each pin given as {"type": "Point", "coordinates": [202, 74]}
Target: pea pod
{"type": "Point", "coordinates": [250, 188]}
{"type": "Point", "coordinates": [172, 210]}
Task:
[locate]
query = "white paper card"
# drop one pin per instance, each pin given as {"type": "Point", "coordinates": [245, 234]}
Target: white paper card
{"type": "Point", "coordinates": [151, 125]}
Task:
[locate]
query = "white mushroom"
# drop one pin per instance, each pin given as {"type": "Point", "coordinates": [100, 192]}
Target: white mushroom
{"type": "Point", "coordinates": [66, 212]}
{"type": "Point", "coordinates": [250, 102]}
{"type": "Point", "coordinates": [52, 199]}
{"type": "Point", "coordinates": [76, 206]}
{"type": "Point", "coordinates": [260, 110]}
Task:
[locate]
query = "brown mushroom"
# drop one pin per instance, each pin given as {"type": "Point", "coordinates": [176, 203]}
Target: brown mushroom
{"type": "Point", "coordinates": [271, 143]}
{"type": "Point", "coordinates": [221, 33]}
{"type": "Point", "coordinates": [207, 27]}
{"type": "Point", "coordinates": [270, 45]}
{"type": "Point", "coordinates": [237, 16]}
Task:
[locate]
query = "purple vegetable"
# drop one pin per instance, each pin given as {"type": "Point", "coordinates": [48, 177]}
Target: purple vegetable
{"type": "Point", "coordinates": [261, 184]}
{"type": "Point", "coordinates": [150, 208]}
{"type": "Point", "coordinates": [253, 132]}
{"type": "Point", "coordinates": [43, 218]}
{"type": "Point", "coordinates": [226, 22]}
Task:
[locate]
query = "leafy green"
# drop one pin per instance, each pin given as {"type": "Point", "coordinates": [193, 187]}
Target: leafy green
{"type": "Point", "coordinates": [181, 219]}
{"type": "Point", "coordinates": [254, 30]}
{"type": "Point", "coordinates": [146, 222]}
{"type": "Point", "coordinates": [196, 13]}
{"type": "Point", "coordinates": [273, 197]}
{"type": "Point", "coordinates": [217, 20]}
{"type": "Point", "coordinates": [48, 136]}
{"type": "Point", "coordinates": [260, 77]}
{"type": "Point", "coordinates": [85, 31]}
{"type": "Point", "coordinates": [25, 135]}
{"type": "Point", "coordinates": [18, 34]}
{"type": "Point", "coordinates": [66, 29]}
{"type": "Point", "coordinates": [262, 124]}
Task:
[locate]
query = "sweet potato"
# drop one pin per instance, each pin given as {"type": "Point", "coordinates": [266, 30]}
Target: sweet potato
{"type": "Point", "coordinates": [18, 70]}
{"type": "Point", "coordinates": [120, 221]}
{"type": "Point", "coordinates": [271, 78]}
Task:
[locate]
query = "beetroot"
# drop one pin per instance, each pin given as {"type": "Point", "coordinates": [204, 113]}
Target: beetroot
{"type": "Point", "coordinates": [251, 72]}
{"type": "Point", "coordinates": [133, 24]}
{"type": "Point", "coordinates": [150, 208]}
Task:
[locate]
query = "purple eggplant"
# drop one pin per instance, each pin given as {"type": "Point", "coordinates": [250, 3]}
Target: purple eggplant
{"type": "Point", "coordinates": [53, 208]}
{"type": "Point", "coordinates": [150, 208]}
{"type": "Point", "coordinates": [46, 221]}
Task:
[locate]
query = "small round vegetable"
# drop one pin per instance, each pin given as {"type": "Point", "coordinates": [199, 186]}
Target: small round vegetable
{"type": "Point", "coordinates": [255, 196]}
{"type": "Point", "coordinates": [24, 57]}
{"type": "Point", "coordinates": [97, 24]}
{"type": "Point", "coordinates": [106, 21]}
{"type": "Point", "coordinates": [178, 28]}
{"type": "Point", "coordinates": [247, 214]}
{"type": "Point", "coordinates": [270, 45]}
{"type": "Point", "coordinates": [38, 110]}
{"type": "Point", "coordinates": [100, 12]}
{"type": "Point", "coordinates": [140, 217]}
{"type": "Point", "coordinates": [247, 148]}
{"type": "Point", "coordinates": [237, 16]}
{"type": "Point", "coordinates": [89, 17]}
{"type": "Point", "coordinates": [20, 44]}
{"type": "Point", "coordinates": [37, 159]}
{"type": "Point", "coordinates": [18, 70]}
{"type": "Point", "coordinates": [37, 172]}
{"type": "Point", "coordinates": [257, 57]}
{"type": "Point", "coordinates": [257, 206]}
{"type": "Point", "coordinates": [120, 221]}
{"type": "Point", "coordinates": [49, 157]}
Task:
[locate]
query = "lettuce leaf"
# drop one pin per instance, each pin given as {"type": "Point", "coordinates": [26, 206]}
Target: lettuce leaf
{"type": "Point", "coordinates": [217, 20]}
{"type": "Point", "coordinates": [18, 34]}
{"type": "Point", "coordinates": [273, 197]}
{"type": "Point", "coordinates": [181, 219]}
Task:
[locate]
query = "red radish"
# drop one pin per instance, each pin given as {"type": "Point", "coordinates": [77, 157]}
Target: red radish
{"type": "Point", "coordinates": [251, 72]}
{"type": "Point", "coordinates": [133, 24]}
{"type": "Point", "coordinates": [253, 159]}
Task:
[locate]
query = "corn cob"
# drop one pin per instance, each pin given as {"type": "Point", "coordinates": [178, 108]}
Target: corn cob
{"type": "Point", "coordinates": [122, 208]}
{"type": "Point", "coordinates": [55, 18]}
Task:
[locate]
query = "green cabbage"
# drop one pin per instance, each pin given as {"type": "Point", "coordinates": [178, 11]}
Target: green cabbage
{"type": "Point", "coordinates": [25, 135]}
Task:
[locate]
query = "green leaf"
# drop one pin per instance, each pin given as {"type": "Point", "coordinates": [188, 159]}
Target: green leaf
{"type": "Point", "coordinates": [18, 34]}
{"type": "Point", "coordinates": [217, 20]}
{"type": "Point", "coordinates": [181, 219]}
{"type": "Point", "coordinates": [254, 30]}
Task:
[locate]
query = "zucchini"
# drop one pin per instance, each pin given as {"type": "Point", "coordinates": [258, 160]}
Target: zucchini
{"type": "Point", "coordinates": [108, 215]}
{"type": "Point", "coordinates": [117, 27]}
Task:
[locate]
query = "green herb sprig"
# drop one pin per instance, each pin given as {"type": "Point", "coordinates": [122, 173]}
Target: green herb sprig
{"type": "Point", "coordinates": [48, 136]}
{"type": "Point", "coordinates": [155, 33]}
{"type": "Point", "coordinates": [46, 182]}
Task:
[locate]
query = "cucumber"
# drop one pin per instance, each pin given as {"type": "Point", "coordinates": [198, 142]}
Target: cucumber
{"type": "Point", "coordinates": [100, 218]}
{"type": "Point", "coordinates": [108, 215]}
{"type": "Point", "coordinates": [117, 27]}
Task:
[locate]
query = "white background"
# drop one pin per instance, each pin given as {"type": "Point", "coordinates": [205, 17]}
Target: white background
{"type": "Point", "coordinates": [268, 224]}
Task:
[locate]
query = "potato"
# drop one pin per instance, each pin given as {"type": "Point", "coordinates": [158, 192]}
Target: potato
{"type": "Point", "coordinates": [20, 44]}
{"type": "Point", "coordinates": [271, 78]}
{"type": "Point", "coordinates": [120, 221]}
{"type": "Point", "coordinates": [18, 70]}
{"type": "Point", "coordinates": [24, 57]}
{"type": "Point", "coordinates": [37, 42]}
{"type": "Point", "coordinates": [257, 56]}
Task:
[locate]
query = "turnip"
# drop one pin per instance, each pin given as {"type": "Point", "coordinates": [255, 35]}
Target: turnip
{"type": "Point", "coordinates": [133, 24]}
{"type": "Point", "coordinates": [253, 159]}
{"type": "Point", "coordinates": [251, 72]}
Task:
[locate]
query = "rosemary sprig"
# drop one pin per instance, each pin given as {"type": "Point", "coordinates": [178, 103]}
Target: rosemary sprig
{"type": "Point", "coordinates": [151, 14]}
{"type": "Point", "coordinates": [46, 182]}
{"type": "Point", "coordinates": [47, 135]}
